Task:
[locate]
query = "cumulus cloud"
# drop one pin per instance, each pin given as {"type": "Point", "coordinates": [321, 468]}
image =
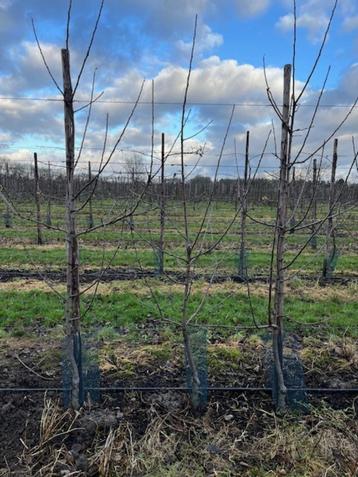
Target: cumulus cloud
{"type": "Point", "coordinates": [351, 23]}
{"type": "Point", "coordinates": [313, 16]}
{"type": "Point", "coordinates": [213, 81]}
{"type": "Point", "coordinates": [315, 25]}
{"type": "Point", "coordinates": [249, 8]}
{"type": "Point", "coordinates": [206, 40]}
{"type": "Point", "coordinates": [216, 81]}
{"type": "Point", "coordinates": [21, 118]}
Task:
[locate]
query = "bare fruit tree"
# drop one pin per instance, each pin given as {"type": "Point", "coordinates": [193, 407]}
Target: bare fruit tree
{"type": "Point", "coordinates": [292, 154]}
{"type": "Point", "coordinates": [194, 241]}
{"type": "Point", "coordinates": [74, 204]}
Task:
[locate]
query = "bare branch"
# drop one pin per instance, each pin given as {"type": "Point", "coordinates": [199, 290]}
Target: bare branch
{"type": "Point", "coordinates": [97, 98]}
{"type": "Point", "coordinates": [114, 148]}
{"type": "Point", "coordinates": [89, 47]}
{"type": "Point", "coordinates": [215, 178]}
{"type": "Point", "coordinates": [319, 54]}
{"type": "Point", "coordinates": [309, 129]}
{"type": "Point", "coordinates": [68, 24]}
{"type": "Point", "coordinates": [44, 59]}
{"type": "Point", "coordinates": [87, 120]}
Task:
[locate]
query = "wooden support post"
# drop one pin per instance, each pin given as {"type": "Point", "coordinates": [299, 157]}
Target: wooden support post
{"type": "Point", "coordinates": [281, 229]}
{"type": "Point", "coordinates": [330, 223]}
{"type": "Point", "coordinates": [242, 256]}
{"type": "Point", "coordinates": [292, 193]}
{"type": "Point", "coordinates": [7, 215]}
{"type": "Point", "coordinates": [38, 201]}
{"type": "Point", "coordinates": [162, 210]}
{"type": "Point", "coordinates": [73, 318]}
{"type": "Point", "coordinates": [49, 178]}
{"type": "Point", "coordinates": [313, 241]}
{"type": "Point", "coordinates": [331, 248]}
{"type": "Point", "coordinates": [90, 208]}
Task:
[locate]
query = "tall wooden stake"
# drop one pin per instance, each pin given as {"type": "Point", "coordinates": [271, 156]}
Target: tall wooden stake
{"type": "Point", "coordinates": [331, 248]}
{"type": "Point", "coordinates": [292, 190]}
{"type": "Point", "coordinates": [73, 335]}
{"type": "Point", "coordinates": [242, 257]}
{"type": "Point", "coordinates": [7, 215]}
{"type": "Point", "coordinates": [162, 210]}
{"type": "Point", "coordinates": [38, 201]}
{"type": "Point", "coordinates": [48, 218]}
{"type": "Point", "coordinates": [90, 209]}
{"type": "Point", "coordinates": [313, 241]}
{"type": "Point", "coordinates": [330, 224]}
{"type": "Point", "coordinates": [281, 229]}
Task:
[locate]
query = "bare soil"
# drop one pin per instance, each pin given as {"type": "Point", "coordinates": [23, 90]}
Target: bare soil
{"type": "Point", "coordinates": [133, 273]}
{"type": "Point", "coordinates": [238, 435]}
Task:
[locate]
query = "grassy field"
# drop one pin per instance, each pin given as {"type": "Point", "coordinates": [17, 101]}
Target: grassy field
{"type": "Point", "coordinates": [131, 333]}
{"type": "Point", "coordinates": [126, 303]}
{"type": "Point", "coordinates": [28, 304]}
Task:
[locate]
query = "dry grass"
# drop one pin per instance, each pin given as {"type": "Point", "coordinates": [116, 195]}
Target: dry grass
{"type": "Point", "coordinates": [310, 291]}
{"type": "Point", "coordinates": [30, 285]}
{"type": "Point", "coordinates": [231, 439]}
{"type": "Point", "coordinates": [336, 355]}
{"type": "Point", "coordinates": [54, 428]}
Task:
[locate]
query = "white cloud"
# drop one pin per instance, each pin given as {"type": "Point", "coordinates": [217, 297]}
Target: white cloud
{"type": "Point", "coordinates": [315, 25]}
{"type": "Point", "coordinates": [206, 40]}
{"type": "Point", "coordinates": [213, 81]}
{"type": "Point", "coordinates": [249, 8]}
{"type": "Point", "coordinates": [4, 4]}
{"type": "Point", "coordinates": [225, 81]}
{"type": "Point", "coordinates": [313, 16]}
{"type": "Point", "coordinates": [350, 23]}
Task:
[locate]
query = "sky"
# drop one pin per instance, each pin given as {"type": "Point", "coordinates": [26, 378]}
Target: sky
{"type": "Point", "coordinates": [150, 40]}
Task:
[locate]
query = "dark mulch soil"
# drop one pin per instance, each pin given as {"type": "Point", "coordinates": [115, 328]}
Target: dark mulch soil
{"type": "Point", "coordinates": [37, 364]}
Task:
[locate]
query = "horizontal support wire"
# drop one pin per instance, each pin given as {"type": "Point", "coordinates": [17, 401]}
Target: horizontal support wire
{"type": "Point", "coordinates": [173, 103]}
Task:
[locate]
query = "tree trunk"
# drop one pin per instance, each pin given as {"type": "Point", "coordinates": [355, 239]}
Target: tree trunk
{"type": "Point", "coordinates": [72, 312]}
{"type": "Point", "coordinates": [283, 197]}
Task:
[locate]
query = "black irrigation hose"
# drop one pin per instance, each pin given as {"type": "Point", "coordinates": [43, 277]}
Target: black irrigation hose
{"type": "Point", "coordinates": [150, 389]}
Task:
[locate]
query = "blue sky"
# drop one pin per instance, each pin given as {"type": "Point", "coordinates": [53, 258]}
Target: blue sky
{"type": "Point", "coordinates": [151, 39]}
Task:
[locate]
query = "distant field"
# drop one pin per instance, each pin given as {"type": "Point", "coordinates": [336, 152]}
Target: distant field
{"type": "Point", "coordinates": [332, 309]}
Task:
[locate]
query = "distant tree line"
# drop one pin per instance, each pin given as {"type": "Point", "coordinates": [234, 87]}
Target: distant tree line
{"type": "Point", "coordinates": [18, 181]}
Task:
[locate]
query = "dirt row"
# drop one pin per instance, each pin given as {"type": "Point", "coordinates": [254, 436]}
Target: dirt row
{"type": "Point", "coordinates": [26, 443]}
{"type": "Point", "coordinates": [113, 274]}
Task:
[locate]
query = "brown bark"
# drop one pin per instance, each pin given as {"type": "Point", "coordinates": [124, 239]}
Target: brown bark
{"type": "Point", "coordinates": [330, 234]}
{"type": "Point", "coordinates": [242, 258]}
{"type": "Point", "coordinates": [72, 312]}
{"type": "Point", "coordinates": [48, 218]}
{"type": "Point", "coordinates": [90, 208]}
{"type": "Point", "coordinates": [314, 204]}
{"type": "Point", "coordinates": [330, 223]}
{"type": "Point", "coordinates": [281, 229]}
{"type": "Point", "coordinates": [8, 217]}
{"type": "Point", "coordinates": [37, 201]}
{"type": "Point", "coordinates": [162, 210]}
